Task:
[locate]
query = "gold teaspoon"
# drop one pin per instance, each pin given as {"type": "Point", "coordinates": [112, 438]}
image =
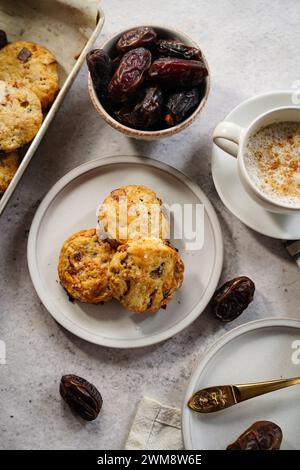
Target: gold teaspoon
{"type": "Point", "coordinates": [219, 397]}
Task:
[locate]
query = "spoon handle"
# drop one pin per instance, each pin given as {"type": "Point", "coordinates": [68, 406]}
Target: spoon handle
{"type": "Point", "coordinates": [245, 391]}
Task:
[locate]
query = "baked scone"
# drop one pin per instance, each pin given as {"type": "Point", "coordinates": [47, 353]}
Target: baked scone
{"type": "Point", "coordinates": [20, 116]}
{"type": "Point", "coordinates": [9, 164]}
{"type": "Point", "coordinates": [131, 212]}
{"type": "Point", "coordinates": [83, 267]}
{"type": "Point", "coordinates": [32, 66]}
{"type": "Point", "coordinates": [145, 274]}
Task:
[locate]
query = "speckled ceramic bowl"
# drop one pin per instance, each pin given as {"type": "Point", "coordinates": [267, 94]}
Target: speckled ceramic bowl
{"type": "Point", "coordinates": [163, 32]}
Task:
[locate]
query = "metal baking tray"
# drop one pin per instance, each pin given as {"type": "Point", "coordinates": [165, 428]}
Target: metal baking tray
{"type": "Point", "coordinates": [68, 28]}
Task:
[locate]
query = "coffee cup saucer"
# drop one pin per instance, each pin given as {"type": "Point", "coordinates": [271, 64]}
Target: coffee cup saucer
{"type": "Point", "coordinates": [229, 186]}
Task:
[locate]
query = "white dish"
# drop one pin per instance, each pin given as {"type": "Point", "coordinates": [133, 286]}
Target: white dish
{"type": "Point", "coordinates": [229, 186]}
{"type": "Point", "coordinates": [259, 350]}
{"type": "Point", "coordinates": [70, 206]}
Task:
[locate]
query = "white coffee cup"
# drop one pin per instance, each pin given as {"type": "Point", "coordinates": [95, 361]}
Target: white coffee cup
{"type": "Point", "coordinates": [233, 139]}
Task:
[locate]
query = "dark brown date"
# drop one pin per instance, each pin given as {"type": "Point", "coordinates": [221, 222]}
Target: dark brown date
{"type": "Point", "coordinates": [3, 38]}
{"type": "Point", "coordinates": [262, 435]}
{"type": "Point", "coordinates": [138, 37]}
{"type": "Point", "coordinates": [145, 113]}
{"type": "Point", "coordinates": [100, 67]}
{"type": "Point", "coordinates": [116, 62]}
{"type": "Point", "coordinates": [174, 48]}
{"type": "Point", "coordinates": [177, 72]}
{"type": "Point", "coordinates": [129, 75]}
{"type": "Point", "coordinates": [179, 105]}
{"type": "Point", "coordinates": [233, 298]}
{"type": "Point", "coordinates": [81, 396]}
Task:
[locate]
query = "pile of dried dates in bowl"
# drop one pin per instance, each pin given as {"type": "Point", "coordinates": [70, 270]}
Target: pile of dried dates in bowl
{"type": "Point", "coordinates": [148, 83]}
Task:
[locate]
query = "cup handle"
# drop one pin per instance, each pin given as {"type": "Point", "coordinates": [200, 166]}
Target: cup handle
{"type": "Point", "coordinates": [227, 136]}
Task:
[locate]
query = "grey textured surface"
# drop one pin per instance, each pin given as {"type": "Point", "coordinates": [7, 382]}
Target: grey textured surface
{"type": "Point", "coordinates": [252, 47]}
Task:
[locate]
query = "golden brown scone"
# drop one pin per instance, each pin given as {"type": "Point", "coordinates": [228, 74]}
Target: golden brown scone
{"type": "Point", "coordinates": [20, 116]}
{"type": "Point", "coordinates": [32, 66]}
{"type": "Point", "coordinates": [145, 274]}
{"type": "Point", "coordinates": [83, 267]}
{"type": "Point", "coordinates": [9, 164]}
{"type": "Point", "coordinates": [132, 212]}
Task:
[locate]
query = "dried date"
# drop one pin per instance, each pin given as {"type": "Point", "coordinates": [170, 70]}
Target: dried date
{"type": "Point", "coordinates": [145, 113]}
{"type": "Point", "coordinates": [174, 48]}
{"type": "Point", "coordinates": [100, 66]}
{"type": "Point", "coordinates": [116, 62]}
{"type": "Point", "coordinates": [129, 75]}
{"type": "Point", "coordinates": [179, 105]}
{"type": "Point", "coordinates": [262, 435]}
{"type": "Point", "coordinates": [81, 396]}
{"type": "Point", "coordinates": [3, 38]}
{"type": "Point", "coordinates": [233, 298]}
{"type": "Point", "coordinates": [138, 37]}
{"type": "Point", "coordinates": [177, 72]}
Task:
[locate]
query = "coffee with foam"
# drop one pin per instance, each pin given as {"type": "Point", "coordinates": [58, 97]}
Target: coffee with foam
{"type": "Point", "coordinates": [272, 160]}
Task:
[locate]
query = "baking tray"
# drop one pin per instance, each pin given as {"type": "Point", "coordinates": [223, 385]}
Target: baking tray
{"type": "Point", "coordinates": [68, 28]}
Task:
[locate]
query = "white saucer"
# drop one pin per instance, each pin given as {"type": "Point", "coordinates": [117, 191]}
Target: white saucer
{"type": "Point", "coordinates": [256, 351]}
{"type": "Point", "coordinates": [229, 187]}
{"type": "Point", "coordinates": [71, 205]}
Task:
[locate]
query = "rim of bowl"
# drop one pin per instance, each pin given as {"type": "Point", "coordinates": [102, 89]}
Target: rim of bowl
{"type": "Point", "coordinates": [139, 133]}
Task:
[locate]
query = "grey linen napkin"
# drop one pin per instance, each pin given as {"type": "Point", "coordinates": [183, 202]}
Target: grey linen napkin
{"type": "Point", "coordinates": [293, 247]}
{"type": "Point", "coordinates": [155, 427]}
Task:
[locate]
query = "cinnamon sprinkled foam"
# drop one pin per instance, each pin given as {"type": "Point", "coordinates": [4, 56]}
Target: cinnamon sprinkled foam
{"type": "Point", "coordinates": [272, 159]}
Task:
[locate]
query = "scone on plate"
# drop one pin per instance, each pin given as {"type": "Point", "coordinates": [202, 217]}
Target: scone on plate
{"type": "Point", "coordinates": [145, 274]}
{"type": "Point", "coordinates": [131, 212]}
{"type": "Point", "coordinates": [30, 65]}
{"type": "Point", "coordinates": [83, 267]}
{"type": "Point", "coordinates": [20, 116]}
{"type": "Point", "coordinates": [9, 164]}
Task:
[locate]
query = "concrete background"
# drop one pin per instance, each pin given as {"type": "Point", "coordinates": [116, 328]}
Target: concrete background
{"type": "Point", "coordinates": [252, 47]}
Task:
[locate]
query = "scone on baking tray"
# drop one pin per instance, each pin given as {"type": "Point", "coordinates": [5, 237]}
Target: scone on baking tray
{"type": "Point", "coordinates": [31, 66]}
{"type": "Point", "coordinates": [20, 116]}
{"type": "Point", "coordinates": [131, 212]}
{"type": "Point", "coordinates": [28, 86]}
{"type": "Point", "coordinates": [83, 267]}
{"type": "Point", "coordinates": [145, 274]}
{"type": "Point", "coordinates": [9, 164]}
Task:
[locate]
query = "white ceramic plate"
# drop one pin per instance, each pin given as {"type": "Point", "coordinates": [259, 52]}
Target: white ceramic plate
{"type": "Point", "coordinates": [229, 187]}
{"type": "Point", "coordinates": [259, 350]}
{"type": "Point", "coordinates": [71, 205]}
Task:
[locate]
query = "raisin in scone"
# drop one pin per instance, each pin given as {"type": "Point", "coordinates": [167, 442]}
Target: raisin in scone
{"type": "Point", "coordinates": [9, 164]}
{"type": "Point", "coordinates": [20, 116]}
{"type": "Point", "coordinates": [30, 65]}
{"type": "Point", "coordinates": [131, 212]}
{"type": "Point", "coordinates": [83, 267]}
{"type": "Point", "coordinates": [145, 274]}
